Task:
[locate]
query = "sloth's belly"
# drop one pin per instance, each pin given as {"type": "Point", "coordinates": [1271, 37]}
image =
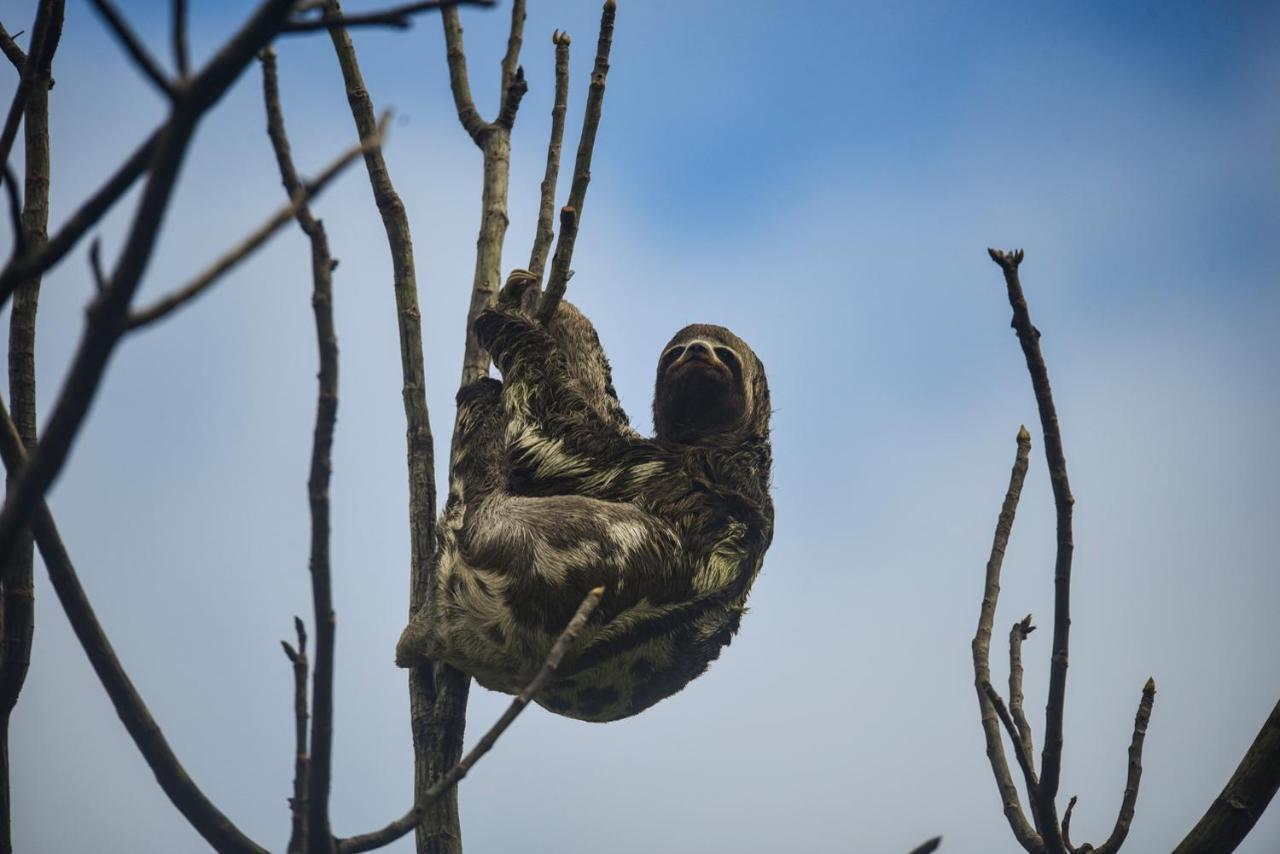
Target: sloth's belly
{"type": "Point", "coordinates": [480, 635]}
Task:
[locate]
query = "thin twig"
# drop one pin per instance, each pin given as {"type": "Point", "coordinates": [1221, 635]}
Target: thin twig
{"type": "Point", "coordinates": [233, 256]}
{"type": "Point", "coordinates": [402, 825]}
{"type": "Point", "coordinates": [318, 781]}
{"type": "Point", "coordinates": [511, 59]}
{"type": "Point", "coordinates": [494, 140]}
{"type": "Point", "coordinates": [928, 846]}
{"type": "Point", "coordinates": [133, 45]}
{"type": "Point", "coordinates": [1245, 797]}
{"type": "Point", "coordinates": [15, 210]}
{"type": "Point", "coordinates": [1029, 338]}
{"type": "Point", "coordinates": [459, 82]}
{"type": "Point", "coordinates": [1017, 634]}
{"type": "Point", "coordinates": [558, 281]}
{"type": "Point", "coordinates": [1020, 754]}
{"type": "Point", "coordinates": [1066, 824]}
{"type": "Point", "coordinates": [560, 271]}
{"type": "Point", "coordinates": [301, 761]}
{"type": "Point", "coordinates": [1022, 830]}
{"type": "Point", "coordinates": [181, 57]}
{"type": "Point", "coordinates": [1134, 777]}
{"type": "Point", "coordinates": [95, 266]}
{"type": "Point", "coordinates": [10, 49]}
{"type": "Point", "coordinates": [177, 784]}
{"type": "Point", "coordinates": [397, 17]}
{"type": "Point", "coordinates": [17, 593]}
{"type": "Point", "coordinates": [45, 23]}
{"type": "Point", "coordinates": [437, 706]}
{"type": "Point", "coordinates": [547, 205]}
{"type": "Point", "coordinates": [108, 312]}
{"type": "Point", "coordinates": [37, 261]}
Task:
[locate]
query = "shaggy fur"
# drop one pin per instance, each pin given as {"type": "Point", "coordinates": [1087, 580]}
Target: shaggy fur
{"type": "Point", "coordinates": [553, 493]}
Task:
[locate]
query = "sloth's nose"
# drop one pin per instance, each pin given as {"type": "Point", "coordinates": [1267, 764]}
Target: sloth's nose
{"type": "Point", "coordinates": [698, 350]}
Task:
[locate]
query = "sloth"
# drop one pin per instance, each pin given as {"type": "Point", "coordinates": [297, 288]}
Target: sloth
{"type": "Point", "coordinates": [552, 493]}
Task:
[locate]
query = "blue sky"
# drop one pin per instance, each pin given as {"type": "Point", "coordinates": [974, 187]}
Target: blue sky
{"type": "Point", "coordinates": [826, 183]}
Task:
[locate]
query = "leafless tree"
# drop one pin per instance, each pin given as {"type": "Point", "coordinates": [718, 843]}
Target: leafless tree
{"type": "Point", "coordinates": [1230, 817]}
{"type": "Point", "coordinates": [437, 694]}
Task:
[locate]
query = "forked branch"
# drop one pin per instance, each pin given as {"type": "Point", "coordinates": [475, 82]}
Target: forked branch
{"type": "Point", "coordinates": [560, 268]}
{"type": "Point", "coordinates": [1048, 836]}
{"type": "Point", "coordinates": [402, 825]}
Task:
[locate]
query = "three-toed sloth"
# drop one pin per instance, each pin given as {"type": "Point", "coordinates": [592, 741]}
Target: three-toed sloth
{"type": "Point", "coordinates": [552, 493]}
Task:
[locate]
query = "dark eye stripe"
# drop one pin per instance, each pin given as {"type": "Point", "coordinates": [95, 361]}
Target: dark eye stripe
{"type": "Point", "coordinates": [730, 359]}
{"type": "Point", "coordinates": [671, 355]}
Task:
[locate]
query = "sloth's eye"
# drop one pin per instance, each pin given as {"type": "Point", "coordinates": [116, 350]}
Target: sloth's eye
{"type": "Point", "coordinates": [730, 360]}
{"type": "Point", "coordinates": [669, 357]}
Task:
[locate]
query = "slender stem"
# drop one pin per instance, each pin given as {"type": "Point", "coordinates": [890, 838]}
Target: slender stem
{"type": "Point", "coordinates": [37, 261]}
{"type": "Point", "coordinates": [1019, 752]}
{"type": "Point", "coordinates": [133, 45]}
{"type": "Point", "coordinates": [320, 771]}
{"type": "Point", "coordinates": [1022, 830]}
{"type": "Point", "coordinates": [1134, 777]}
{"type": "Point", "coordinates": [1017, 634]}
{"type": "Point", "coordinates": [437, 706]}
{"type": "Point", "coordinates": [40, 32]}
{"type": "Point", "coordinates": [107, 314]}
{"type": "Point", "coordinates": [459, 84]}
{"type": "Point", "coordinates": [402, 825]}
{"type": "Point", "coordinates": [1029, 338]}
{"type": "Point", "coordinates": [560, 268]}
{"type": "Point", "coordinates": [12, 52]}
{"type": "Point", "coordinates": [17, 592]}
{"type": "Point", "coordinates": [399, 17]}
{"type": "Point", "coordinates": [181, 57]}
{"type": "Point", "coordinates": [547, 205]}
{"type": "Point", "coordinates": [233, 256]}
{"type": "Point", "coordinates": [301, 759]}
{"type": "Point", "coordinates": [177, 784]}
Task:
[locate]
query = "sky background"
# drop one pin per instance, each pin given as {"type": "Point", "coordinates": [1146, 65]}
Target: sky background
{"type": "Point", "coordinates": [825, 180]}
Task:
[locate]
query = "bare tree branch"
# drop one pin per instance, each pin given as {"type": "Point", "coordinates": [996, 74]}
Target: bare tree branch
{"type": "Point", "coordinates": [10, 49]}
{"type": "Point", "coordinates": [402, 825]}
{"type": "Point", "coordinates": [1244, 799]}
{"type": "Point", "coordinates": [137, 51]}
{"type": "Point", "coordinates": [320, 770]}
{"type": "Point", "coordinates": [1019, 752]}
{"type": "Point", "coordinates": [232, 257]}
{"type": "Point", "coordinates": [1066, 824]}
{"type": "Point", "coordinates": [560, 271]}
{"type": "Point", "coordinates": [15, 209]}
{"type": "Point", "coordinates": [1017, 635]}
{"type": "Point", "coordinates": [547, 205]}
{"type": "Point", "coordinates": [44, 25]}
{"type": "Point", "coordinates": [558, 281]}
{"type": "Point", "coordinates": [301, 760]}
{"type": "Point", "coordinates": [17, 592]}
{"type": "Point", "coordinates": [37, 261]}
{"type": "Point", "coordinates": [928, 847]}
{"type": "Point", "coordinates": [1022, 830]}
{"type": "Point", "coordinates": [181, 58]}
{"type": "Point", "coordinates": [494, 140]}
{"type": "Point", "coordinates": [437, 702]}
{"type": "Point", "coordinates": [107, 313]}
{"type": "Point", "coordinates": [459, 83]}
{"type": "Point", "coordinates": [398, 17]}
{"type": "Point", "coordinates": [208, 821]}
{"type": "Point", "coordinates": [1123, 820]}
{"type": "Point", "coordinates": [1051, 755]}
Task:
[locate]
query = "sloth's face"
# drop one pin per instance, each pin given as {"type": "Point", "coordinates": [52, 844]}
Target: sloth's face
{"type": "Point", "coordinates": [701, 389]}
